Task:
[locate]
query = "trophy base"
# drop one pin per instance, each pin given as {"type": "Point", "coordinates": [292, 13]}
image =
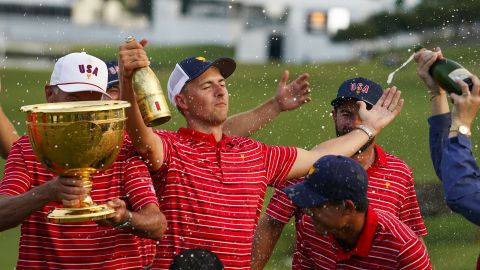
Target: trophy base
{"type": "Point", "coordinates": [91, 213]}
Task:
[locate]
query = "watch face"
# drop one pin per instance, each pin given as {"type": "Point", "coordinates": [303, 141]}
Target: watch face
{"type": "Point", "coordinates": [464, 130]}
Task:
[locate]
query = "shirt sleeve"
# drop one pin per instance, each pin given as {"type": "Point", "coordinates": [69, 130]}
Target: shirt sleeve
{"type": "Point", "coordinates": [280, 206]}
{"type": "Point", "coordinates": [279, 161]}
{"type": "Point", "coordinates": [439, 128]}
{"type": "Point", "coordinates": [461, 178]}
{"type": "Point", "coordinates": [17, 179]}
{"type": "Point", "coordinates": [410, 211]}
{"type": "Point", "coordinates": [414, 256]}
{"type": "Point", "coordinates": [137, 182]}
{"type": "Point", "coordinates": [167, 148]}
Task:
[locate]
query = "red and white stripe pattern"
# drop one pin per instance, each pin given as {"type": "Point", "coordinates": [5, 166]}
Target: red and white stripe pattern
{"type": "Point", "coordinates": [45, 245]}
{"type": "Point", "coordinates": [385, 243]}
{"type": "Point", "coordinates": [390, 188]}
{"type": "Point", "coordinates": [212, 193]}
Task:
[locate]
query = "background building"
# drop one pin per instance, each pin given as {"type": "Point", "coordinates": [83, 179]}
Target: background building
{"type": "Point", "coordinates": [259, 30]}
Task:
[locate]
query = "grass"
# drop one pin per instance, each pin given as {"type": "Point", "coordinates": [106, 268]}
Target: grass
{"type": "Point", "coordinates": [452, 241]}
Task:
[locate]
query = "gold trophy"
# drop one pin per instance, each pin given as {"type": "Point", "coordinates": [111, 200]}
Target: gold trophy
{"type": "Point", "coordinates": [77, 139]}
{"type": "Point", "coordinates": [149, 96]}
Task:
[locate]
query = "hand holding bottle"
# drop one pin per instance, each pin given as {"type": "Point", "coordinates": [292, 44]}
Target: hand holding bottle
{"type": "Point", "coordinates": [425, 59]}
{"type": "Point", "coordinates": [148, 91]}
{"type": "Point", "coordinates": [445, 72]}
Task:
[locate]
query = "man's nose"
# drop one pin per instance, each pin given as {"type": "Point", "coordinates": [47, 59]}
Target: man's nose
{"type": "Point", "coordinates": [220, 91]}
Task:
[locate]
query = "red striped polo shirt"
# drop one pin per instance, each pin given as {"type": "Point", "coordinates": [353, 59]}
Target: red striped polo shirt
{"type": "Point", "coordinates": [390, 188]}
{"type": "Point", "coordinates": [45, 245]}
{"type": "Point", "coordinates": [212, 193]}
{"type": "Point", "coordinates": [384, 243]}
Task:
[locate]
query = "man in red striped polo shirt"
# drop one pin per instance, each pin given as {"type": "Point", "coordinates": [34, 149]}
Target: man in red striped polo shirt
{"type": "Point", "coordinates": [28, 192]}
{"type": "Point", "coordinates": [339, 230]}
{"type": "Point", "coordinates": [391, 184]}
{"type": "Point", "coordinates": [211, 186]}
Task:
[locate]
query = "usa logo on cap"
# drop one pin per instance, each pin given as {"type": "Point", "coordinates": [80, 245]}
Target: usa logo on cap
{"type": "Point", "coordinates": [359, 88]}
{"type": "Point", "coordinates": [88, 69]}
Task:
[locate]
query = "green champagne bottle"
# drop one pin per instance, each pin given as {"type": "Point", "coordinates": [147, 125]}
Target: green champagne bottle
{"type": "Point", "coordinates": [446, 72]}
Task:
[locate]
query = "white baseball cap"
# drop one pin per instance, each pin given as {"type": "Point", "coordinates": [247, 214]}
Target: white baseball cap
{"type": "Point", "coordinates": [78, 72]}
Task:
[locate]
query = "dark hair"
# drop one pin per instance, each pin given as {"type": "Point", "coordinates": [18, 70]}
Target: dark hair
{"type": "Point", "coordinates": [196, 259]}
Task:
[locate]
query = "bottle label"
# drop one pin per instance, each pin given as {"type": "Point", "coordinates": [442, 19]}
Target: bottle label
{"type": "Point", "coordinates": [459, 74]}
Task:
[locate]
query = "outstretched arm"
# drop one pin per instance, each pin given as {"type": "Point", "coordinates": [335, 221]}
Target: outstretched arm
{"type": "Point", "coordinates": [460, 171]}
{"type": "Point", "coordinates": [384, 111]}
{"type": "Point", "coordinates": [266, 236]}
{"type": "Point", "coordinates": [8, 134]}
{"type": "Point", "coordinates": [288, 97]}
{"type": "Point", "coordinates": [440, 120]}
{"type": "Point", "coordinates": [131, 56]}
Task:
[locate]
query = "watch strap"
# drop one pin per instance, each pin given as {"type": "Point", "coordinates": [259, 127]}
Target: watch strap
{"type": "Point", "coordinates": [367, 131]}
{"type": "Point", "coordinates": [127, 223]}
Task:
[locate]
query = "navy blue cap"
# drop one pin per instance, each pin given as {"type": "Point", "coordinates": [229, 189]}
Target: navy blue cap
{"type": "Point", "coordinates": [331, 179]}
{"type": "Point", "coordinates": [112, 67]}
{"type": "Point", "coordinates": [196, 66]}
{"type": "Point", "coordinates": [358, 89]}
{"type": "Point", "coordinates": [191, 68]}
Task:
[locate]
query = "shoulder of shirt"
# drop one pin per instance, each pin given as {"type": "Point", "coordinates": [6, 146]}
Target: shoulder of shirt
{"type": "Point", "coordinates": [391, 225]}
{"type": "Point", "coordinates": [164, 132]}
{"type": "Point", "coordinates": [23, 142]}
{"type": "Point", "coordinates": [392, 160]}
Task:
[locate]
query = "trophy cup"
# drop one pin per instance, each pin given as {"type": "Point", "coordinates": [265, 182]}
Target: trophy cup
{"type": "Point", "coordinates": [77, 139]}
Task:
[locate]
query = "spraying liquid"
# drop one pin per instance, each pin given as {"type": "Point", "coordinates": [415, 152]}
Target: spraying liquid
{"type": "Point", "coordinates": [390, 76]}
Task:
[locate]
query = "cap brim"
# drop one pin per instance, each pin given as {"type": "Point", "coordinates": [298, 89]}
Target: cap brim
{"type": "Point", "coordinates": [340, 100]}
{"type": "Point", "coordinates": [225, 65]}
{"type": "Point", "coordinates": [81, 87]}
{"type": "Point", "coordinates": [112, 83]}
{"type": "Point", "coordinates": [303, 196]}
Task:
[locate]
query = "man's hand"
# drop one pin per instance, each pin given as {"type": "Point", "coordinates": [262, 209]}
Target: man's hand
{"type": "Point", "coordinates": [121, 213]}
{"type": "Point", "coordinates": [68, 190]}
{"type": "Point", "coordinates": [466, 106]}
{"type": "Point", "coordinates": [131, 56]}
{"type": "Point", "coordinates": [293, 95]}
{"type": "Point", "coordinates": [383, 112]}
{"type": "Point", "coordinates": [425, 59]}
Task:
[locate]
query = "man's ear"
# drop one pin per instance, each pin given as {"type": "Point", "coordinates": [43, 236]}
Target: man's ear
{"type": "Point", "coordinates": [349, 207]}
{"type": "Point", "coordinates": [334, 114]}
{"type": "Point", "coordinates": [180, 100]}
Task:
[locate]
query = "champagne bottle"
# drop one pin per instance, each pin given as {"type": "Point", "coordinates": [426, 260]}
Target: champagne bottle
{"type": "Point", "coordinates": [446, 72]}
{"type": "Point", "coordinates": [149, 96]}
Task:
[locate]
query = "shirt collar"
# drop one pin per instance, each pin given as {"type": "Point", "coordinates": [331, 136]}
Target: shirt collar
{"type": "Point", "coordinates": [364, 242]}
{"type": "Point", "coordinates": [202, 137]}
{"type": "Point", "coordinates": [380, 157]}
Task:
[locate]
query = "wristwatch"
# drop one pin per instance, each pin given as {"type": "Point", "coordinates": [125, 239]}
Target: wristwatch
{"type": "Point", "coordinates": [367, 131]}
{"type": "Point", "coordinates": [462, 129]}
{"type": "Point", "coordinates": [126, 224]}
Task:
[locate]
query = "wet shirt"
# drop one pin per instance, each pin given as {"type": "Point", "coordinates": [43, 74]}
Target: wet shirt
{"type": "Point", "coordinates": [85, 245]}
{"type": "Point", "coordinates": [456, 166]}
{"type": "Point", "coordinates": [212, 193]}
{"type": "Point", "coordinates": [390, 188]}
{"type": "Point", "coordinates": [384, 243]}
